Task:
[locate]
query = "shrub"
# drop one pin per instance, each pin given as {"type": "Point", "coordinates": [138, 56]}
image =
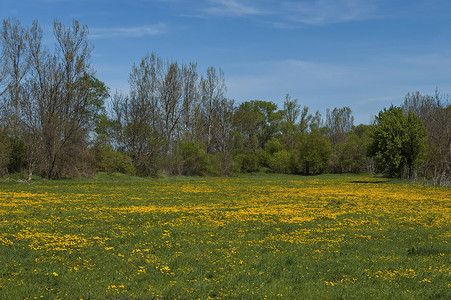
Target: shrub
{"type": "Point", "coordinates": [282, 162]}
{"type": "Point", "coordinates": [112, 161]}
{"type": "Point", "coordinates": [192, 159]}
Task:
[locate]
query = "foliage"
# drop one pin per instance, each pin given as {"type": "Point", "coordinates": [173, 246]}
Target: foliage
{"type": "Point", "coordinates": [108, 160]}
{"type": "Point", "coordinates": [350, 152]}
{"type": "Point", "coordinates": [399, 142]}
{"type": "Point", "coordinates": [247, 162]}
{"type": "Point", "coordinates": [5, 150]}
{"type": "Point", "coordinates": [257, 121]}
{"type": "Point", "coordinates": [314, 153]}
{"type": "Point", "coordinates": [283, 162]}
{"type": "Point", "coordinates": [192, 159]}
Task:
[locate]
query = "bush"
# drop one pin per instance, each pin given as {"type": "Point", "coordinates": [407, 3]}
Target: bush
{"type": "Point", "coordinates": [192, 159]}
{"type": "Point", "coordinates": [17, 158]}
{"type": "Point", "coordinates": [5, 150]}
{"type": "Point", "coordinates": [111, 161]}
{"type": "Point", "coordinates": [282, 162]}
{"type": "Point", "coordinates": [314, 153]}
{"type": "Point", "coordinates": [247, 162]}
{"type": "Point", "coordinates": [273, 146]}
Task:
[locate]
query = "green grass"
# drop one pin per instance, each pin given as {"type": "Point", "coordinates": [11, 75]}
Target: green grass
{"type": "Point", "coordinates": [251, 237]}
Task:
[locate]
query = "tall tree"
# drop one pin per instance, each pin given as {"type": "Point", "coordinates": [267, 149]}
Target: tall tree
{"type": "Point", "coordinates": [339, 122]}
{"type": "Point", "coordinates": [213, 89]}
{"type": "Point", "coordinates": [398, 142]}
{"type": "Point", "coordinates": [138, 115]}
{"type": "Point", "coordinates": [13, 38]}
{"type": "Point", "coordinates": [292, 109]}
{"type": "Point", "coordinates": [259, 119]}
{"type": "Point", "coordinates": [435, 115]}
{"type": "Point", "coordinates": [190, 101]}
{"type": "Point", "coordinates": [64, 99]}
{"type": "Point", "coordinates": [171, 100]}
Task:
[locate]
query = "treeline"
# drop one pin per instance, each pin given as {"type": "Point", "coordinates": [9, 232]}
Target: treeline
{"type": "Point", "coordinates": [174, 120]}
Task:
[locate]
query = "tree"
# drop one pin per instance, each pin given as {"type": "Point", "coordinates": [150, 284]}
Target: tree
{"type": "Point", "coordinates": [282, 161]}
{"type": "Point", "coordinates": [435, 115]}
{"type": "Point", "coordinates": [292, 109]}
{"type": "Point", "coordinates": [13, 39]}
{"type": "Point", "coordinates": [170, 94]}
{"type": "Point", "coordinates": [192, 159]}
{"type": "Point", "coordinates": [339, 122]}
{"type": "Point", "coordinates": [13, 70]}
{"type": "Point", "coordinates": [190, 102]}
{"type": "Point", "coordinates": [257, 118]}
{"type": "Point", "coordinates": [61, 101]}
{"type": "Point", "coordinates": [352, 156]}
{"type": "Point", "coordinates": [289, 126]}
{"type": "Point", "coordinates": [398, 142]}
{"type": "Point", "coordinates": [213, 89]}
{"type": "Point", "coordinates": [314, 153]}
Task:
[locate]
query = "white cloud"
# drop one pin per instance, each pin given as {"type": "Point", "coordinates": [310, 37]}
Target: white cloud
{"type": "Point", "coordinates": [233, 8]}
{"type": "Point", "coordinates": [54, 1]}
{"type": "Point", "coordinates": [289, 13]}
{"type": "Point", "coordinates": [127, 32]}
{"type": "Point", "coordinates": [320, 12]}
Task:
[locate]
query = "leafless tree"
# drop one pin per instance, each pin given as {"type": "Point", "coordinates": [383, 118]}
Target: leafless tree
{"type": "Point", "coordinates": [435, 114]}
{"type": "Point", "coordinates": [139, 117]}
{"type": "Point", "coordinates": [171, 101]}
{"type": "Point", "coordinates": [213, 89]}
{"type": "Point", "coordinates": [339, 121]}
{"type": "Point", "coordinates": [223, 120]}
{"type": "Point", "coordinates": [59, 108]}
{"type": "Point", "coordinates": [15, 64]}
{"type": "Point", "coordinates": [190, 101]}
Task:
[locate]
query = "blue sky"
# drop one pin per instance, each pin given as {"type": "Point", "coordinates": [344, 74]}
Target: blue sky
{"type": "Point", "coordinates": [326, 53]}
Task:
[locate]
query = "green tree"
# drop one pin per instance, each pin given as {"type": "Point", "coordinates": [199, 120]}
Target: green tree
{"type": "Point", "coordinates": [398, 142]}
{"type": "Point", "coordinates": [192, 159]}
{"type": "Point", "coordinates": [108, 160]}
{"type": "Point", "coordinates": [256, 119]}
{"type": "Point", "coordinates": [314, 153]}
{"type": "Point", "coordinates": [282, 162]}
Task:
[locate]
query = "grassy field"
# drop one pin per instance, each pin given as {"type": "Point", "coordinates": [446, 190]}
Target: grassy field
{"type": "Point", "coordinates": [255, 237]}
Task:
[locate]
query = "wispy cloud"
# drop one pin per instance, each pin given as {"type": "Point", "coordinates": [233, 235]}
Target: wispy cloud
{"type": "Point", "coordinates": [233, 8]}
{"type": "Point", "coordinates": [289, 13]}
{"type": "Point", "coordinates": [127, 32]}
{"type": "Point", "coordinates": [320, 12]}
{"type": "Point", "coordinates": [53, 1]}
{"type": "Point", "coordinates": [367, 85]}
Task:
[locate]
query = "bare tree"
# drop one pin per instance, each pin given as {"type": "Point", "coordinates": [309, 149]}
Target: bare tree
{"type": "Point", "coordinates": [15, 60]}
{"type": "Point", "coordinates": [213, 89]}
{"type": "Point", "coordinates": [190, 100]}
{"type": "Point", "coordinates": [339, 121]}
{"type": "Point", "coordinates": [140, 115]}
{"type": "Point", "coordinates": [223, 120]}
{"type": "Point", "coordinates": [3, 66]}
{"type": "Point", "coordinates": [435, 115]}
{"type": "Point", "coordinates": [63, 102]}
{"type": "Point", "coordinates": [170, 94]}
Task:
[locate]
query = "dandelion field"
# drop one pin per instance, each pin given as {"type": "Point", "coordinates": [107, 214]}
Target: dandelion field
{"type": "Point", "coordinates": [262, 236]}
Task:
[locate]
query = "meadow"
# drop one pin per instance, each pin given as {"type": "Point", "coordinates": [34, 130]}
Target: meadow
{"type": "Point", "coordinates": [250, 237]}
